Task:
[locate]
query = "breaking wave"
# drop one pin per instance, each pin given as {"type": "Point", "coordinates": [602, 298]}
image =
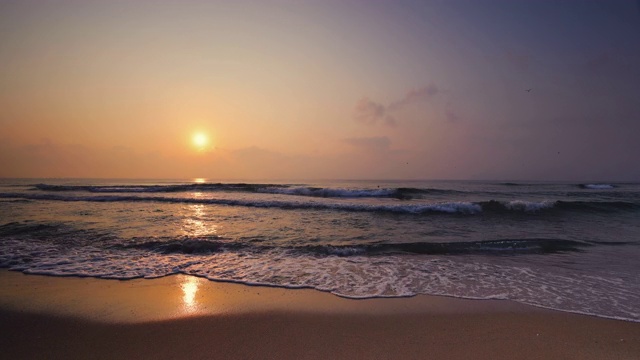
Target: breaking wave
{"type": "Point", "coordinates": [157, 188]}
{"type": "Point", "coordinates": [329, 192]}
{"type": "Point", "coordinates": [489, 247]}
{"type": "Point", "coordinates": [446, 207]}
{"type": "Point", "coordinates": [184, 246]}
{"type": "Point", "coordinates": [282, 189]}
{"type": "Point", "coordinates": [597, 186]}
{"type": "Point", "coordinates": [486, 247]}
{"type": "Point", "coordinates": [454, 207]}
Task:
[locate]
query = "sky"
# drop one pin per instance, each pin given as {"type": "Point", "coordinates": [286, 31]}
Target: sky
{"type": "Point", "coordinates": [333, 89]}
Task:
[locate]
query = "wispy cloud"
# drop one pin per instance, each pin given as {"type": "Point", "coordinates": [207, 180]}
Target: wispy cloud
{"type": "Point", "coordinates": [370, 112]}
{"type": "Point", "coordinates": [414, 96]}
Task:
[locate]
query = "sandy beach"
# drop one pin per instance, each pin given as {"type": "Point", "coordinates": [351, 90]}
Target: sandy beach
{"type": "Point", "coordinates": [183, 317]}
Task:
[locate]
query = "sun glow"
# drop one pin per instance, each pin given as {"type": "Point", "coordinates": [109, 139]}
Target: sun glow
{"type": "Point", "coordinates": [200, 140]}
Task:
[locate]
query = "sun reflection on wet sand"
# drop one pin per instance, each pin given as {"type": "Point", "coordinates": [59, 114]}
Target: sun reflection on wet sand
{"type": "Point", "coordinates": [189, 290]}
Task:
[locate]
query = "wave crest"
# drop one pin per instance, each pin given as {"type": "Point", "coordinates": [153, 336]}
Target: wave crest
{"type": "Point", "coordinates": [452, 207]}
{"type": "Point", "coordinates": [487, 247]}
{"type": "Point", "coordinates": [597, 186]}
{"type": "Point", "coordinates": [282, 189]}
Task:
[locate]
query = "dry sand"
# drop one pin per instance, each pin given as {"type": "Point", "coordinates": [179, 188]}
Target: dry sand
{"type": "Point", "coordinates": [182, 317]}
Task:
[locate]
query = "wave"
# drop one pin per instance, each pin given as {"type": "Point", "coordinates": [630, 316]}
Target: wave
{"type": "Point", "coordinates": [157, 188]}
{"type": "Point", "coordinates": [494, 206]}
{"type": "Point", "coordinates": [18, 228]}
{"type": "Point", "coordinates": [329, 192]}
{"type": "Point", "coordinates": [487, 247]}
{"type": "Point", "coordinates": [598, 206]}
{"type": "Point", "coordinates": [399, 193]}
{"type": "Point", "coordinates": [210, 244]}
{"type": "Point", "coordinates": [445, 207]}
{"type": "Point", "coordinates": [597, 186]}
{"type": "Point", "coordinates": [282, 189]}
{"type": "Point", "coordinates": [15, 201]}
{"type": "Point", "coordinates": [60, 233]}
{"type": "Point", "coordinates": [517, 206]}
{"type": "Point", "coordinates": [455, 207]}
{"type": "Point", "coordinates": [594, 186]}
{"type": "Point", "coordinates": [518, 184]}
{"type": "Point", "coordinates": [587, 292]}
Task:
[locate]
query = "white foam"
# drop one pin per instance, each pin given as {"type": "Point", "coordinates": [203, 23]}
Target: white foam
{"type": "Point", "coordinates": [529, 206]}
{"type": "Point", "coordinates": [412, 208]}
{"type": "Point", "coordinates": [598, 186]}
{"type": "Point", "coordinates": [353, 277]}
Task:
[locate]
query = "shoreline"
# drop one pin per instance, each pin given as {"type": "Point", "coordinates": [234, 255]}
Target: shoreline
{"type": "Point", "coordinates": [135, 300]}
{"type": "Point", "coordinates": [182, 316]}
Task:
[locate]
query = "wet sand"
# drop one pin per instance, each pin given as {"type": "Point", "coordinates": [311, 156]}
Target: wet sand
{"type": "Point", "coordinates": [183, 317]}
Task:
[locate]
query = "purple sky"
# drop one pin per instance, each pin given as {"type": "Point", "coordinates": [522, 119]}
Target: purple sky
{"type": "Point", "coordinates": [321, 89]}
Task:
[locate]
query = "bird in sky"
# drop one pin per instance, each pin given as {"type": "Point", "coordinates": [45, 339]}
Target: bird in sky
{"type": "Point", "coordinates": [529, 90]}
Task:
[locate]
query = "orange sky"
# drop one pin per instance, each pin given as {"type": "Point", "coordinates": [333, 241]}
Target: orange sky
{"type": "Point", "coordinates": [311, 89]}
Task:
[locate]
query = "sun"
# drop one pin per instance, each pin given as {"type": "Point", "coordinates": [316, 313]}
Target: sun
{"type": "Point", "coordinates": [200, 140]}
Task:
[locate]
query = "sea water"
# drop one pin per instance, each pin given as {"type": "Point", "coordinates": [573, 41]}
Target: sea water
{"type": "Point", "coordinates": [565, 246]}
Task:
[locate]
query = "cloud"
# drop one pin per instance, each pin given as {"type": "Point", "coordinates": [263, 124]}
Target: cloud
{"type": "Point", "coordinates": [369, 112]}
{"type": "Point", "coordinates": [414, 96]}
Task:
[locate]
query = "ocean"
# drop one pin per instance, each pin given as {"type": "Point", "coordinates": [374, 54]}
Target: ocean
{"type": "Point", "coordinates": [572, 247]}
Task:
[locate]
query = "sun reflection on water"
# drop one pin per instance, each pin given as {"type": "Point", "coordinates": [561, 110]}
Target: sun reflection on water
{"type": "Point", "coordinates": [197, 195]}
{"type": "Point", "coordinates": [196, 223]}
